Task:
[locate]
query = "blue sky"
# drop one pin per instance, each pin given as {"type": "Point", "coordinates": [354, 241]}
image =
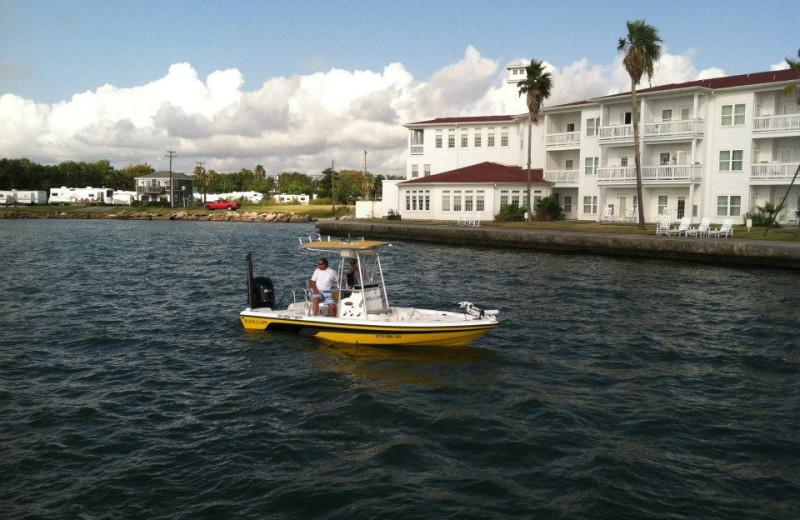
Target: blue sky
{"type": "Point", "coordinates": [53, 50]}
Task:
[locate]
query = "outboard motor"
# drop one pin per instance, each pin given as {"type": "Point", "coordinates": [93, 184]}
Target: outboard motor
{"type": "Point", "coordinates": [263, 293]}
{"type": "Point", "coordinates": [260, 291]}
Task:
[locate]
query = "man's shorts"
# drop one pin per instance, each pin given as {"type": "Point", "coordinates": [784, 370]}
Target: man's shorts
{"type": "Point", "coordinates": [326, 297]}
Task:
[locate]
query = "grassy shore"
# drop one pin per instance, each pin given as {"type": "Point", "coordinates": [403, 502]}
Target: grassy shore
{"type": "Point", "coordinates": [326, 211]}
{"type": "Point", "coordinates": [313, 211]}
{"type": "Point", "coordinates": [587, 226]}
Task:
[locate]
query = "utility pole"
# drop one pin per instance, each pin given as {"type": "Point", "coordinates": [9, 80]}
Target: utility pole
{"type": "Point", "coordinates": [366, 184]}
{"type": "Point", "coordinates": [202, 165]}
{"type": "Point", "coordinates": [333, 188]}
{"type": "Point", "coordinates": [171, 154]}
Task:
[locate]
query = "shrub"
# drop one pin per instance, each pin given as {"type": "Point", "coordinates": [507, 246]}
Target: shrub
{"type": "Point", "coordinates": [763, 215]}
{"type": "Point", "coordinates": [510, 213]}
{"type": "Point", "coordinates": [548, 209]}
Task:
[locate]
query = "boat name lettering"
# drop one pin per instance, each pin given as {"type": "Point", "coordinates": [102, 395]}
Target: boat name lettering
{"type": "Point", "coordinates": [384, 336]}
{"type": "Point", "coordinates": [289, 317]}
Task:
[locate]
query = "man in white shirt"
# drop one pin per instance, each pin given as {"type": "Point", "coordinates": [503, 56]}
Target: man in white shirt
{"type": "Point", "coordinates": [321, 283]}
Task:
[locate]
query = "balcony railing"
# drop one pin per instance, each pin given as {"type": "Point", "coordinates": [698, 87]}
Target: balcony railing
{"type": "Point", "coordinates": [780, 172]}
{"type": "Point", "coordinates": [563, 140]}
{"type": "Point", "coordinates": [651, 174]}
{"type": "Point", "coordinates": [416, 149]}
{"type": "Point", "coordinates": [617, 133]}
{"type": "Point", "coordinates": [674, 129]}
{"type": "Point", "coordinates": [562, 176]}
{"type": "Point", "coordinates": [151, 189]}
{"type": "Point", "coordinates": [776, 124]}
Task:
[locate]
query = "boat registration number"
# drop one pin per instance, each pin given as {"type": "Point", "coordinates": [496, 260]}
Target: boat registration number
{"type": "Point", "coordinates": [388, 336]}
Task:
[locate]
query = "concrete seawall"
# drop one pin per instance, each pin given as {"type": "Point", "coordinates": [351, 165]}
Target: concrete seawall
{"type": "Point", "coordinates": [710, 250]}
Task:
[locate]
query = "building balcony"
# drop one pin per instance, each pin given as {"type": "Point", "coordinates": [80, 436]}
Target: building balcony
{"type": "Point", "coordinates": [776, 125]}
{"type": "Point", "coordinates": [417, 149]}
{"type": "Point", "coordinates": [564, 140]}
{"type": "Point", "coordinates": [150, 190]}
{"type": "Point", "coordinates": [772, 173]}
{"type": "Point", "coordinates": [673, 130]}
{"type": "Point", "coordinates": [671, 174]}
{"type": "Point", "coordinates": [562, 177]}
{"type": "Point", "coordinates": [615, 134]}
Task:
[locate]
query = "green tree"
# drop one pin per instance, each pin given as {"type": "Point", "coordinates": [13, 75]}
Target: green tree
{"type": "Point", "coordinates": [642, 51]}
{"type": "Point", "coordinates": [536, 86]}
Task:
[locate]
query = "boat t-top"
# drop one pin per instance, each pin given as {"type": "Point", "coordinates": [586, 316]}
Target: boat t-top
{"type": "Point", "coordinates": [363, 312]}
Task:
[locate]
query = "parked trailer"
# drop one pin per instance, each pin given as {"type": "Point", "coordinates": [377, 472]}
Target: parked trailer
{"type": "Point", "coordinates": [30, 197]}
{"type": "Point", "coordinates": [124, 198]}
{"type": "Point", "coordinates": [7, 198]}
{"type": "Point", "coordinates": [87, 195]}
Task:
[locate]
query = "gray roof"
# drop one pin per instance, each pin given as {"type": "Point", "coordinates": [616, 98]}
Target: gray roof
{"type": "Point", "coordinates": [164, 175]}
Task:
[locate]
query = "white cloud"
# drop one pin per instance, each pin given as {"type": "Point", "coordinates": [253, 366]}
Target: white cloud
{"type": "Point", "coordinates": [289, 123]}
{"type": "Point", "coordinates": [780, 66]}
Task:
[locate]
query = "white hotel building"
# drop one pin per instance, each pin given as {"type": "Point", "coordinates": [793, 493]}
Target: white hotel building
{"type": "Point", "coordinates": [710, 148]}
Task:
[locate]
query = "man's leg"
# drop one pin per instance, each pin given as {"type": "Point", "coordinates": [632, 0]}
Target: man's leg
{"type": "Point", "coordinates": [315, 306]}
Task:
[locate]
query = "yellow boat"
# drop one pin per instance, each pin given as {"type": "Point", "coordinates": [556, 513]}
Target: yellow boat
{"type": "Point", "coordinates": [364, 316]}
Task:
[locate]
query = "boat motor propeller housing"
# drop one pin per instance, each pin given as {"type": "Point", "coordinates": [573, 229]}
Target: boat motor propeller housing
{"type": "Point", "coordinates": [260, 291]}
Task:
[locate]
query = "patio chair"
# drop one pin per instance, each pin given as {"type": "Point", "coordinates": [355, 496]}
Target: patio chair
{"type": "Point", "coordinates": [477, 220]}
{"type": "Point", "coordinates": [701, 230]}
{"type": "Point", "coordinates": [682, 228]}
{"type": "Point", "coordinates": [608, 214]}
{"type": "Point", "coordinates": [726, 230]}
{"type": "Point", "coordinates": [663, 225]}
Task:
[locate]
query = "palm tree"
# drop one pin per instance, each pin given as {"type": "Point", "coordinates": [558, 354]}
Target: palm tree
{"type": "Point", "coordinates": [790, 89]}
{"type": "Point", "coordinates": [642, 50]}
{"type": "Point", "coordinates": [536, 86]}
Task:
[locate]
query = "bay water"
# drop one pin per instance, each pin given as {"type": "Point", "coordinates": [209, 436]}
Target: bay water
{"type": "Point", "coordinates": [613, 388]}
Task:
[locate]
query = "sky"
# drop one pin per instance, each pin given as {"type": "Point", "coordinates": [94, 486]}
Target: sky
{"type": "Point", "coordinates": [295, 85]}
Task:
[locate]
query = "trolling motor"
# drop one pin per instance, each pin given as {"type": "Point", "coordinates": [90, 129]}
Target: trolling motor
{"type": "Point", "coordinates": [472, 310]}
{"type": "Point", "coordinates": [260, 291]}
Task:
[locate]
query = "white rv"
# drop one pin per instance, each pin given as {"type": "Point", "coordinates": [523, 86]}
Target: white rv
{"type": "Point", "coordinates": [87, 195]}
{"type": "Point", "coordinates": [30, 197]}
{"type": "Point", "coordinates": [7, 198]}
{"type": "Point", "coordinates": [124, 198]}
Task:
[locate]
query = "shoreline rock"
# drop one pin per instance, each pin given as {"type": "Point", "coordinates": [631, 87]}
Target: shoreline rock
{"type": "Point", "coordinates": [229, 216]}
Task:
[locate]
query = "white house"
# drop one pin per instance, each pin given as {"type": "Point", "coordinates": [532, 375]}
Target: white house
{"type": "Point", "coordinates": [709, 148]}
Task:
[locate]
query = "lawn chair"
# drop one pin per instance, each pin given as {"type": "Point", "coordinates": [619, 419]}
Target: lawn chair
{"type": "Point", "coordinates": [608, 214]}
{"type": "Point", "coordinates": [726, 230]}
{"type": "Point", "coordinates": [682, 228]}
{"type": "Point", "coordinates": [701, 230]}
{"type": "Point", "coordinates": [477, 220]}
{"type": "Point", "coordinates": [663, 226]}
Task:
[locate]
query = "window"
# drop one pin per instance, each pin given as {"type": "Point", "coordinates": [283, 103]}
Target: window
{"type": "Point", "coordinates": [446, 200]}
{"type": "Point", "coordinates": [666, 115]}
{"type": "Point", "coordinates": [731, 160]}
{"type": "Point", "coordinates": [417, 137]}
{"type": "Point", "coordinates": [451, 140]}
{"type": "Point", "coordinates": [592, 125]}
{"type": "Point", "coordinates": [590, 165]}
{"type": "Point", "coordinates": [570, 127]}
{"type": "Point", "coordinates": [427, 170]}
{"type": "Point", "coordinates": [732, 115]}
{"type": "Point", "coordinates": [663, 204]}
{"type": "Point", "coordinates": [457, 201]}
{"type": "Point", "coordinates": [503, 197]}
{"type": "Point", "coordinates": [414, 200]}
{"type": "Point", "coordinates": [686, 113]}
{"type": "Point", "coordinates": [504, 137]}
{"type": "Point", "coordinates": [477, 140]}
{"type": "Point", "coordinates": [479, 202]}
{"type": "Point", "coordinates": [427, 200]}
{"type": "Point", "coordinates": [623, 161]}
{"type": "Point", "coordinates": [567, 203]}
{"type": "Point", "coordinates": [568, 164]}
{"type": "Point", "coordinates": [464, 140]}
{"type": "Point", "coordinates": [414, 170]}
{"type": "Point", "coordinates": [408, 201]}
{"type": "Point", "coordinates": [626, 118]}
{"type": "Point", "coordinates": [468, 202]}
{"type": "Point", "coordinates": [490, 138]}
{"type": "Point", "coordinates": [590, 205]}
{"type": "Point", "coordinates": [515, 198]}
{"type": "Point", "coordinates": [729, 206]}
{"type": "Point", "coordinates": [663, 158]}
{"type": "Point", "coordinates": [438, 139]}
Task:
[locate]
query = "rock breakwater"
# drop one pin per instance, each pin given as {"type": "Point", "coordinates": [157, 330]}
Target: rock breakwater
{"type": "Point", "coordinates": [229, 216]}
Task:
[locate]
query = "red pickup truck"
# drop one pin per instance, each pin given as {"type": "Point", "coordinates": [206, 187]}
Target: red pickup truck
{"type": "Point", "coordinates": [222, 204]}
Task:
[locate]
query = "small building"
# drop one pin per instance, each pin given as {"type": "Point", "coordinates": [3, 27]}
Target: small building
{"type": "Point", "coordinates": [155, 187]}
{"type": "Point", "coordinates": [478, 191]}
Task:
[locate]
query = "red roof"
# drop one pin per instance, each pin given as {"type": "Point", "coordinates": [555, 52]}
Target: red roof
{"type": "Point", "coordinates": [483, 172]}
{"type": "Point", "coordinates": [742, 80]}
{"type": "Point", "coordinates": [475, 119]}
